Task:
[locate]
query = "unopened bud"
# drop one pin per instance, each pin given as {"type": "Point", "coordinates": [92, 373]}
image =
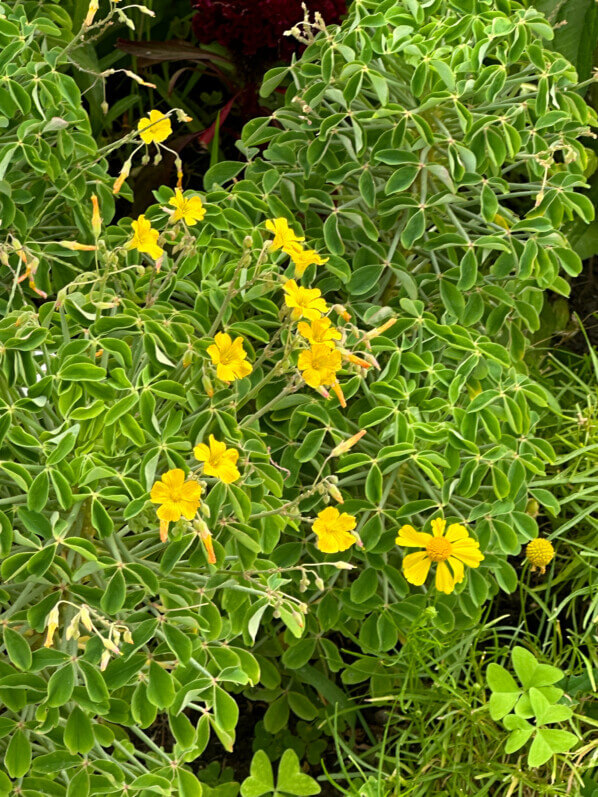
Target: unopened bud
{"type": "Point", "coordinates": [335, 493]}
{"type": "Point", "coordinates": [320, 583]}
{"type": "Point", "coordinates": [72, 631]}
{"type": "Point", "coordinates": [124, 173]}
{"type": "Point", "coordinates": [105, 660]}
{"type": "Point", "coordinates": [343, 565]}
{"type": "Point", "coordinates": [105, 107]}
{"type": "Point", "coordinates": [338, 392]}
{"type": "Point", "coordinates": [75, 246]}
{"type": "Point", "coordinates": [96, 219]}
{"type": "Point", "coordinates": [373, 333]}
{"type": "Point", "coordinates": [342, 311]}
{"type": "Point", "coordinates": [182, 116]}
{"type": "Point", "coordinates": [347, 445]}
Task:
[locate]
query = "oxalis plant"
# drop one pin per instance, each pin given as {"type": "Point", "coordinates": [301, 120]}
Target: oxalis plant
{"type": "Point", "coordinates": [258, 428]}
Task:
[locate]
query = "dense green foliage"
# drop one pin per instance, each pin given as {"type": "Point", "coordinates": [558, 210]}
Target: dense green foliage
{"type": "Point", "coordinates": [434, 153]}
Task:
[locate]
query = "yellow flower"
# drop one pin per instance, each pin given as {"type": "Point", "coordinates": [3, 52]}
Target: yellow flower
{"type": "Point", "coordinates": [455, 547]}
{"type": "Point", "coordinates": [333, 530]}
{"type": "Point", "coordinates": [189, 209]}
{"type": "Point", "coordinates": [320, 330]}
{"type": "Point", "coordinates": [154, 128]}
{"type": "Point", "coordinates": [302, 258]}
{"type": "Point", "coordinates": [319, 365]}
{"type": "Point", "coordinates": [284, 237]}
{"type": "Point", "coordinates": [539, 553]}
{"type": "Point", "coordinates": [219, 461]}
{"type": "Point", "coordinates": [178, 498]}
{"type": "Point", "coordinates": [229, 357]}
{"type": "Point", "coordinates": [304, 302]}
{"type": "Point", "coordinates": [145, 238]}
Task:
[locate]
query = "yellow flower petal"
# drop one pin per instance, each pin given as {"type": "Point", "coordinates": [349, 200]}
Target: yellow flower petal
{"type": "Point", "coordinates": [438, 526]}
{"type": "Point", "coordinates": [416, 567]}
{"type": "Point", "coordinates": [410, 538]}
{"type": "Point", "coordinates": [444, 579]}
{"type": "Point", "coordinates": [456, 532]}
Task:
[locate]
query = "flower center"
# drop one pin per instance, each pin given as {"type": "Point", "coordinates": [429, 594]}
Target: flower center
{"type": "Point", "coordinates": [439, 549]}
{"type": "Point", "coordinates": [319, 363]}
{"type": "Point", "coordinates": [226, 356]}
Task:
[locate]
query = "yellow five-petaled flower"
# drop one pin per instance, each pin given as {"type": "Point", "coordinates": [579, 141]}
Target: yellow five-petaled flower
{"type": "Point", "coordinates": [333, 530]}
{"type": "Point", "coordinates": [154, 128]}
{"type": "Point", "coordinates": [178, 498]}
{"type": "Point", "coordinates": [304, 302]}
{"type": "Point", "coordinates": [284, 237]}
{"type": "Point", "coordinates": [229, 357]}
{"type": "Point", "coordinates": [218, 460]}
{"type": "Point", "coordinates": [320, 330]}
{"type": "Point", "coordinates": [189, 209]}
{"type": "Point", "coordinates": [145, 238]}
{"type": "Point", "coordinates": [302, 258]}
{"type": "Point", "coordinates": [455, 548]}
{"type": "Point", "coordinates": [319, 364]}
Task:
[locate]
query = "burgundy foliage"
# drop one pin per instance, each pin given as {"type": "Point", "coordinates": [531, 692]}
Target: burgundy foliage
{"type": "Point", "coordinates": [254, 27]}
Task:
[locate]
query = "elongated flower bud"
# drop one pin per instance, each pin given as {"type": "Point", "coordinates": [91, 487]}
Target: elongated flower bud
{"type": "Point", "coordinates": [96, 219]}
{"type": "Point", "coordinates": [346, 445]}
{"type": "Point", "coordinates": [373, 333]}
{"type": "Point", "coordinates": [338, 392]}
{"type": "Point", "coordinates": [124, 173]}
{"type": "Point", "coordinates": [75, 246]}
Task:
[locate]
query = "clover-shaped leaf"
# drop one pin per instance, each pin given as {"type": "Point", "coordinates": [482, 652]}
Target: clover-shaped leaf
{"type": "Point", "coordinates": [547, 742]}
{"type": "Point", "coordinates": [292, 782]}
{"type": "Point", "coordinates": [505, 691]}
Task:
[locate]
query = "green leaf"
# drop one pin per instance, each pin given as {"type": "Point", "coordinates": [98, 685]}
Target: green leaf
{"type": "Point", "coordinates": [60, 687]}
{"type": "Point", "coordinates": [115, 593]}
{"type": "Point", "coordinates": [261, 777]}
{"type": "Point", "coordinates": [78, 733]}
{"type": "Point", "coordinates": [291, 780]}
{"type": "Point", "coordinates": [17, 758]}
{"type": "Point", "coordinates": [160, 687]}
{"type": "Point", "coordinates": [17, 648]}
{"type": "Point", "coordinates": [82, 372]}
{"type": "Point", "coordinates": [189, 786]}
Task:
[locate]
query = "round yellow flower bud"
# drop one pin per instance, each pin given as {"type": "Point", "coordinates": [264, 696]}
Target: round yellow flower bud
{"type": "Point", "coordinates": [539, 553]}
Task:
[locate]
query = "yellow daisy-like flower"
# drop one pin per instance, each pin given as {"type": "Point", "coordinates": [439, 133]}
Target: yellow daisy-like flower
{"type": "Point", "coordinates": [284, 237]}
{"type": "Point", "coordinates": [229, 357]}
{"type": "Point", "coordinates": [154, 128]}
{"type": "Point", "coordinates": [539, 553]}
{"type": "Point", "coordinates": [319, 364]}
{"type": "Point", "coordinates": [455, 548]}
{"type": "Point", "coordinates": [189, 209]}
{"type": "Point", "coordinates": [333, 530]}
{"type": "Point", "coordinates": [320, 330]}
{"type": "Point", "coordinates": [145, 238]}
{"type": "Point", "coordinates": [302, 258]}
{"type": "Point", "coordinates": [304, 302]}
{"type": "Point", "coordinates": [178, 498]}
{"type": "Point", "coordinates": [219, 461]}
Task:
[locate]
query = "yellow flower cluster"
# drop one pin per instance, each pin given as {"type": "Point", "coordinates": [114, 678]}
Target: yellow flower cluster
{"type": "Point", "coordinates": [290, 243]}
{"type": "Point", "coordinates": [321, 362]}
